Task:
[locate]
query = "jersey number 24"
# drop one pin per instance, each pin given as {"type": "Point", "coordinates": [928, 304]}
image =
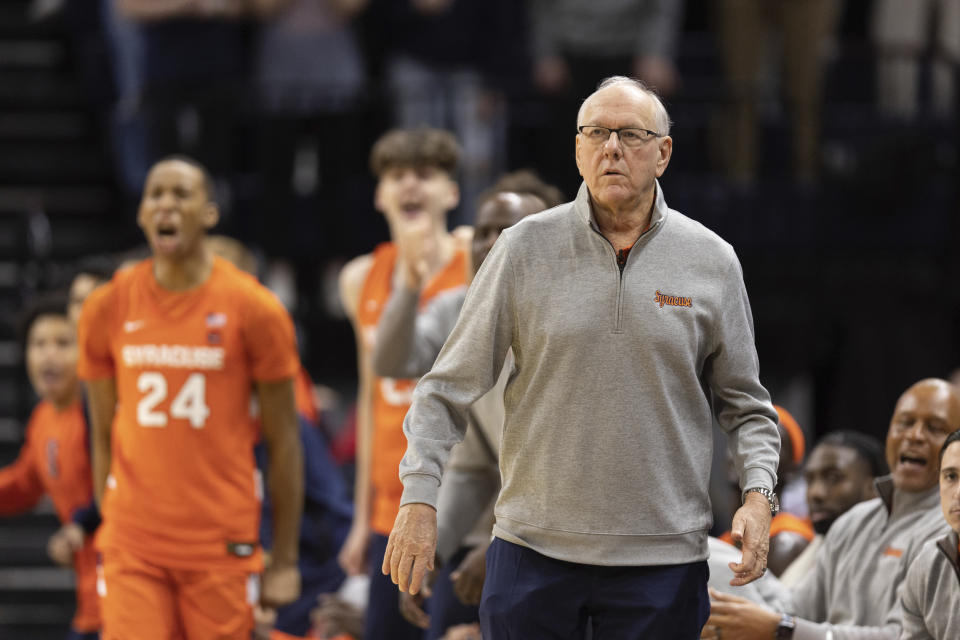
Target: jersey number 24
{"type": "Point", "coordinates": [189, 403]}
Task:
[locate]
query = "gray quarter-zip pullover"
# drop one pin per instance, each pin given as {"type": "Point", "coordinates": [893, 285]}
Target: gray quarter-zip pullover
{"type": "Point", "coordinates": [606, 450]}
{"type": "Point", "coordinates": [930, 600]}
{"type": "Point", "coordinates": [854, 588]}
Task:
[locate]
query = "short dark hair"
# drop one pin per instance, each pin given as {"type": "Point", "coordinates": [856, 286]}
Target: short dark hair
{"type": "Point", "coordinates": [953, 437]}
{"type": "Point", "coordinates": [868, 448]}
{"type": "Point", "coordinates": [49, 303]}
{"type": "Point", "coordinates": [421, 147]}
{"type": "Point", "coordinates": [524, 182]}
{"type": "Point", "coordinates": [208, 184]}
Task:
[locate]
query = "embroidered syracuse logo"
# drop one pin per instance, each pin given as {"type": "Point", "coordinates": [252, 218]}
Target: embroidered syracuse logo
{"type": "Point", "coordinates": [673, 301]}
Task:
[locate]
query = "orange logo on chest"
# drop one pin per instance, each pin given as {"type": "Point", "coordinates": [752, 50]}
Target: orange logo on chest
{"type": "Point", "coordinates": [672, 301]}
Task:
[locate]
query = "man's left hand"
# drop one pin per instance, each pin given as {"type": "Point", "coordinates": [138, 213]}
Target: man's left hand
{"type": "Point", "coordinates": [735, 618]}
{"type": "Point", "coordinates": [751, 532]}
{"type": "Point", "coordinates": [280, 585]}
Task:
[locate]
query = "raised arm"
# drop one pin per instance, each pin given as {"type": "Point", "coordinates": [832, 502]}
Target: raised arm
{"type": "Point", "coordinates": [408, 342]}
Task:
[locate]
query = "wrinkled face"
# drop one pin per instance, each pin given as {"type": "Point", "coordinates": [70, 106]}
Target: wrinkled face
{"type": "Point", "coordinates": [408, 194]}
{"type": "Point", "coordinates": [837, 478]}
{"type": "Point", "coordinates": [619, 176]}
{"type": "Point", "coordinates": [923, 418]}
{"type": "Point", "coordinates": [176, 211]}
{"type": "Point", "coordinates": [950, 486]}
{"type": "Point", "coordinates": [81, 287]}
{"type": "Point", "coordinates": [52, 358]}
{"type": "Point", "coordinates": [496, 214]}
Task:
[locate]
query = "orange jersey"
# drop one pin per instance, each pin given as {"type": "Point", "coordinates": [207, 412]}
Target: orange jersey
{"type": "Point", "coordinates": [54, 461]}
{"type": "Point", "coordinates": [183, 488]}
{"type": "Point", "coordinates": [392, 397]}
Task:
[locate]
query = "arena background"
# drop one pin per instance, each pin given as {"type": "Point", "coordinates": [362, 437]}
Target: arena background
{"type": "Point", "coordinates": [853, 279]}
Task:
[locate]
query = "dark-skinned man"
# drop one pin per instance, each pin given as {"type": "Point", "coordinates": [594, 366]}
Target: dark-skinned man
{"type": "Point", "coordinates": [171, 349]}
{"type": "Point", "coordinates": [853, 590]}
{"type": "Point", "coordinates": [621, 314]}
{"type": "Point", "coordinates": [839, 473]}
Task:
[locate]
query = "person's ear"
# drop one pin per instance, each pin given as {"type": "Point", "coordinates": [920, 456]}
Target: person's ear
{"type": "Point", "coordinates": [666, 151]}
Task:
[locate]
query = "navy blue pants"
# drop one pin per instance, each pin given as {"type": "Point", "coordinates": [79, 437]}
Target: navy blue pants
{"type": "Point", "coordinates": [528, 595]}
{"type": "Point", "coordinates": [83, 635]}
{"type": "Point", "coordinates": [383, 620]}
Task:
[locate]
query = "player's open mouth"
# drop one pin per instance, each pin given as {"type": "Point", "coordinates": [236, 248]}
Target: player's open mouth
{"type": "Point", "coordinates": [50, 376]}
{"type": "Point", "coordinates": [411, 209]}
{"type": "Point", "coordinates": [909, 461]}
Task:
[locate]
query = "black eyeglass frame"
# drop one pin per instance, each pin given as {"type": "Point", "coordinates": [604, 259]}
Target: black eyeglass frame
{"type": "Point", "coordinates": [609, 130]}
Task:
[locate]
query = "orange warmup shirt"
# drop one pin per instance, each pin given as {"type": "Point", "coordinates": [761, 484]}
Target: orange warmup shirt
{"type": "Point", "coordinates": [54, 461]}
{"type": "Point", "coordinates": [183, 489]}
{"type": "Point", "coordinates": [392, 397]}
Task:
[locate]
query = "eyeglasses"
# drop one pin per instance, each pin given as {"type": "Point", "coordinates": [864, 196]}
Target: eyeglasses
{"type": "Point", "coordinates": [629, 136]}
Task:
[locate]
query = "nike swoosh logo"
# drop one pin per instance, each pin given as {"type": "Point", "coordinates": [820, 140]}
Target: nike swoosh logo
{"type": "Point", "coordinates": [132, 325]}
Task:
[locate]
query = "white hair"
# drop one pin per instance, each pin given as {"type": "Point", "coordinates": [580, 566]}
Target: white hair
{"type": "Point", "coordinates": [661, 119]}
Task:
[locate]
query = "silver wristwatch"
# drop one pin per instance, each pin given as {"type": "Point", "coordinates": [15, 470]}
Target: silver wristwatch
{"type": "Point", "coordinates": [769, 495]}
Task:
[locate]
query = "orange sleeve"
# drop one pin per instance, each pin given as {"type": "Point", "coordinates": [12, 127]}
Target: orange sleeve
{"type": "Point", "coordinates": [789, 523]}
{"type": "Point", "coordinates": [20, 485]}
{"type": "Point", "coordinates": [270, 338]}
{"type": "Point", "coordinates": [93, 336]}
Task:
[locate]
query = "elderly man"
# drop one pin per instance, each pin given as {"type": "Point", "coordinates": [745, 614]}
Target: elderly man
{"type": "Point", "coordinates": [931, 596]}
{"type": "Point", "coordinates": [852, 591]}
{"type": "Point", "coordinates": [630, 326]}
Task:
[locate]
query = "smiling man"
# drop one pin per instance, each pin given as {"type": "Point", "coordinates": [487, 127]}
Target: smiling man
{"type": "Point", "coordinates": [606, 448]}
{"type": "Point", "coordinates": [852, 591]}
{"type": "Point", "coordinates": [172, 348]}
{"type": "Point", "coordinates": [931, 595]}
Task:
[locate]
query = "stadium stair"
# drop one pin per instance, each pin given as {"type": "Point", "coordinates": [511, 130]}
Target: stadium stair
{"type": "Point", "coordinates": [55, 196]}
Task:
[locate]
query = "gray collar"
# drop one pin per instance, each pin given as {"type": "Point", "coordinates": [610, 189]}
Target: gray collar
{"type": "Point", "coordinates": [905, 501]}
{"type": "Point", "coordinates": [581, 205]}
{"type": "Point", "coordinates": [948, 545]}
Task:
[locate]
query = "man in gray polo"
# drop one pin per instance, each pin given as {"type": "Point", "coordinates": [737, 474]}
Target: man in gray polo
{"type": "Point", "coordinates": [631, 329]}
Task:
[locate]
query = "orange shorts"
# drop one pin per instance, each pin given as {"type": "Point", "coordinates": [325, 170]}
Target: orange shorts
{"type": "Point", "coordinates": [141, 601]}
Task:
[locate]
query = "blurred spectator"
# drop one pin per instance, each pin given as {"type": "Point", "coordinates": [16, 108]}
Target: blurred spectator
{"type": "Point", "coordinates": [442, 61]}
{"type": "Point", "coordinates": [626, 37]}
{"type": "Point", "coordinates": [904, 31]}
{"type": "Point", "coordinates": [188, 77]}
{"type": "Point", "coordinates": [745, 26]}
{"type": "Point", "coordinates": [310, 77]}
{"type": "Point", "coordinates": [574, 42]}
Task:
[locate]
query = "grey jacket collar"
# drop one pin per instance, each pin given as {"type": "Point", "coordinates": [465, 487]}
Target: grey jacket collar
{"type": "Point", "coordinates": [581, 205]}
{"type": "Point", "coordinates": [948, 545]}
{"type": "Point", "coordinates": [899, 502]}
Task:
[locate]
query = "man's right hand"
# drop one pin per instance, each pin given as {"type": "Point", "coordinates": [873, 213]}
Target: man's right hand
{"type": "Point", "coordinates": [411, 547]}
{"type": "Point", "coordinates": [417, 250]}
{"type": "Point", "coordinates": [353, 553]}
